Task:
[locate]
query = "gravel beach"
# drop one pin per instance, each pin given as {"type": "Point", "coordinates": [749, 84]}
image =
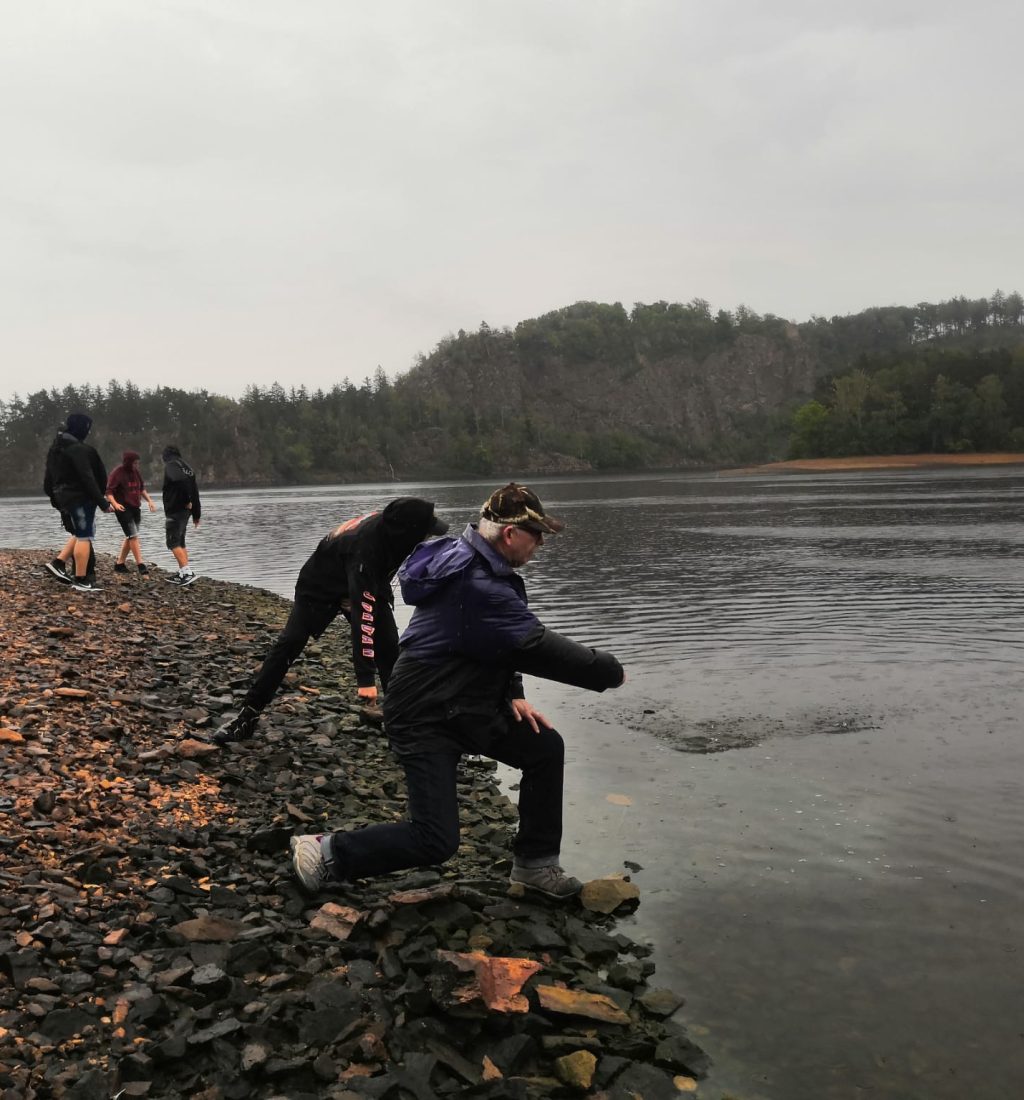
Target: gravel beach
{"type": "Point", "coordinates": [153, 942]}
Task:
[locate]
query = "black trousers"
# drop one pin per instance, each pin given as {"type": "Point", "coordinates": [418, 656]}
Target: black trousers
{"type": "Point", "coordinates": [431, 835]}
{"type": "Point", "coordinates": [307, 620]}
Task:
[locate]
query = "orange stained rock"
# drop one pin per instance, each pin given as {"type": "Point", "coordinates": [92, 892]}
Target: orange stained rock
{"type": "Point", "coordinates": [499, 979]}
{"type": "Point", "coordinates": [685, 1084]}
{"type": "Point", "coordinates": [605, 895]}
{"type": "Point", "coordinates": [336, 920]}
{"type": "Point", "coordinates": [357, 1069]}
{"type": "Point", "coordinates": [490, 1071]}
{"type": "Point", "coordinates": [595, 1006]}
{"type": "Point", "coordinates": [73, 693]}
{"type": "Point", "coordinates": [10, 737]}
{"type": "Point", "coordinates": [190, 748]}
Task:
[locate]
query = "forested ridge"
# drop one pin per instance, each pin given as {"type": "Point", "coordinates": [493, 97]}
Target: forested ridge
{"type": "Point", "coordinates": [591, 387]}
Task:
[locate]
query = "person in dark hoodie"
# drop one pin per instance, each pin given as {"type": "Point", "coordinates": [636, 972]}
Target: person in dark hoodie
{"type": "Point", "coordinates": [457, 688]}
{"type": "Point", "coordinates": [74, 481]}
{"type": "Point", "coordinates": [181, 503]}
{"type": "Point", "coordinates": [349, 573]}
{"type": "Point", "coordinates": [125, 485]}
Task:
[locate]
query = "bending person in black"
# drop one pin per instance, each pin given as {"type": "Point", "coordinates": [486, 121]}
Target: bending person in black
{"type": "Point", "coordinates": [349, 573]}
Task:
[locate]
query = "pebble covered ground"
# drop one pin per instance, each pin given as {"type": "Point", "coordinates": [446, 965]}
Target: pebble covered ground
{"type": "Point", "coordinates": [153, 942]}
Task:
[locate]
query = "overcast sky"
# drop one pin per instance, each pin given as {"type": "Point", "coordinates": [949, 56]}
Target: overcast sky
{"type": "Point", "coordinates": [216, 193]}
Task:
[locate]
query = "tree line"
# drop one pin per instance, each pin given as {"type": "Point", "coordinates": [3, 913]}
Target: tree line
{"type": "Point", "coordinates": [926, 377]}
{"type": "Point", "coordinates": [934, 400]}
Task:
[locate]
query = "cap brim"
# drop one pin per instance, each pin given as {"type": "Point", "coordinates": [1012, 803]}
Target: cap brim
{"type": "Point", "coordinates": [550, 525]}
{"type": "Point", "coordinates": [438, 527]}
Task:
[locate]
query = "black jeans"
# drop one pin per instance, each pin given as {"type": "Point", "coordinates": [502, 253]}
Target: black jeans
{"type": "Point", "coordinates": [307, 620]}
{"type": "Point", "coordinates": [431, 835]}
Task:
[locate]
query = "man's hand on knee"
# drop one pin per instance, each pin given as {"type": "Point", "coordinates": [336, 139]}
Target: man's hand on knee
{"type": "Point", "coordinates": [523, 711]}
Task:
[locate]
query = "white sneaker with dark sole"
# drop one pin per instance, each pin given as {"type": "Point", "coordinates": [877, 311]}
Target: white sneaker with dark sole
{"type": "Point", "coordinates": [308, 862]}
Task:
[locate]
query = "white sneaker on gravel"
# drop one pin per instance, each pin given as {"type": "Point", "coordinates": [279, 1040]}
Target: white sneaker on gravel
{"type": "Point", "coordinates": [308, 862]}
{"type": "Point", "coordinates": [551, 881]}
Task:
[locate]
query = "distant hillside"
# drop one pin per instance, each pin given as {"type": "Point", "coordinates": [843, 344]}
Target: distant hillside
{"type": "Point", "coordinates": [588, 387]}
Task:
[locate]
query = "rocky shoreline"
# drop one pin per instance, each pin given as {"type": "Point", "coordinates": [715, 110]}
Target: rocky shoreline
{"type": "Point", "coordinates": [154, 944]}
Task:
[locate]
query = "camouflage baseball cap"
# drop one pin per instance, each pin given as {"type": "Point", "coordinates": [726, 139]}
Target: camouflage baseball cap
{"type": "Point", "coordinates": [515, 504]}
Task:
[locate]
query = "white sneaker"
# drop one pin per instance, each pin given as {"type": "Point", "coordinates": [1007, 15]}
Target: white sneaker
{"type": "Point", "coordinates": [308, 862]}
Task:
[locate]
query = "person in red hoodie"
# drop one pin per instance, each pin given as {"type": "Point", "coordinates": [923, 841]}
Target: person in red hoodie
{"type": "Point", "coordinates": [126, 487]}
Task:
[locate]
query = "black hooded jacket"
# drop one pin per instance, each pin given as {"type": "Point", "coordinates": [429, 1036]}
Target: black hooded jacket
{"type": "Point", "coordinates": [180, 492]}
{"type": "Point", "coordinates": [75, 474]}
{"type": "Point", "coordinates": [354, 565]}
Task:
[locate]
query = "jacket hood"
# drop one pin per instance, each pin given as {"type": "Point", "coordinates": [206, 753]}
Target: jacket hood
{"type": "Point", "coordinates": [171, 452]}
{"type": "Point", "coordinates": [410, 518]}
{"type": "Point", "coordinates": [388, 537]}
{"type": "Point", "coordinates": [129, 458]}
{"type": "Point", "coordinates": [78, 425]}
{"type": "Point", "coordinates": [433, 564]}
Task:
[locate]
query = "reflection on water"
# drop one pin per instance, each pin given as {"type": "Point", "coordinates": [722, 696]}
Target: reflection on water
{"type": "Point", "coordinates": [818, 738]}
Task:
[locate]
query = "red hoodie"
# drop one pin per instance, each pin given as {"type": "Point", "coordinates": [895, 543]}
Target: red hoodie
{"type": "Point", "coordinates": [125, 483]}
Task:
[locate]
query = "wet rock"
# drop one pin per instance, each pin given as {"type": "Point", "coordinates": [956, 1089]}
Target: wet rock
{"type": "Point", "coordinates": [679, 1054]}
{"type": "Point", "coordinates": [64, 1023]}
{"type": "Point", "coordinates": [569, 1002]}
{"type": "Point", "coordinates": [577, 1069]}
{"type": "Point", "coordinates": [660, 1002]}
{"type": "Point", "coordinates": [605, 895]}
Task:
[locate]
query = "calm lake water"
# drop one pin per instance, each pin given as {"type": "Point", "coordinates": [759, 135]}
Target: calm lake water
{"type": "Point", "coordinates": [816, 759]}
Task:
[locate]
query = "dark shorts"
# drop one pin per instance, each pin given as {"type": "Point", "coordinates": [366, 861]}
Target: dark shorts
{"type": "Point", "coordinates": [177, 525]}
{"type": "Point", "coordinates": [83, 520]}
{"type": "Point", "coordinates": [129, 520]}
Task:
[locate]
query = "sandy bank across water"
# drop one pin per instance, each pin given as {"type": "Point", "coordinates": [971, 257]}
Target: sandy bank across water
{"type": "Point", "coordinates": [877, 462]}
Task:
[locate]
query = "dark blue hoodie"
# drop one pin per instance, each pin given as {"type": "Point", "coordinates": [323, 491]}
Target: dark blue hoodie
{"type": "Point", "coordinates": [468, 601]}
{"type": "Point", "coordinates": [471, 637]}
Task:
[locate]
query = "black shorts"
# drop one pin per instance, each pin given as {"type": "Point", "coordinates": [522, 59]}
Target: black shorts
{"type": "Point", "coordinates": [177, 525]}
{"type": "Point", "coordinates": [129, 520]}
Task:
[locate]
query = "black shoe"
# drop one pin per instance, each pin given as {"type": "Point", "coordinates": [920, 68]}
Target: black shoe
{"type": "Point", "coordinates": [240, 728]}
{"type": "Point", "coordinates": [85, 585]}
{"type": "Point", "coordinates": [143, 569]}
{"type": "Point", "coordinates": [120, 567]}
{"type": "Point", "coordinates": [59, 570]}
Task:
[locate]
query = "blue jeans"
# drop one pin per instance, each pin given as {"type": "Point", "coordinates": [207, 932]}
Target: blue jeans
{"type": "Point", "coordinates": [83, 520]}
{"type": "Point", "coordinates": [431, 835]}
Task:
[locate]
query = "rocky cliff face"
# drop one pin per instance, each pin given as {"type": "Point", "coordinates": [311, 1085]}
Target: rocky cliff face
{"type": "Point", "coordinates": [684, 405]}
